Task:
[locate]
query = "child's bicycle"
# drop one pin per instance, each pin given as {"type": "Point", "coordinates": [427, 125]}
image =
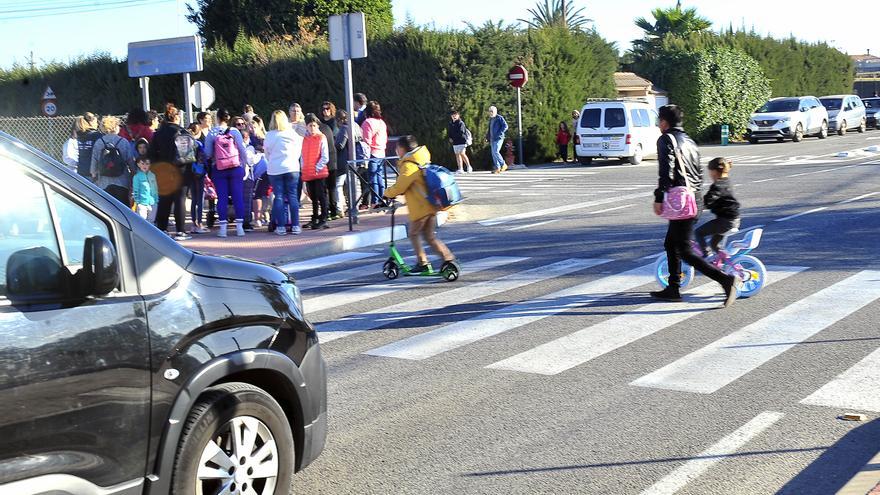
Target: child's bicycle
{"type": "Point", "coordinates": [732, 258]}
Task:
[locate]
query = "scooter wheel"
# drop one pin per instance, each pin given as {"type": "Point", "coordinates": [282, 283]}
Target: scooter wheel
{"type": "Point", "coordinates": [390, 270]}
{"type": "Point", "coordinates": [450, 271]}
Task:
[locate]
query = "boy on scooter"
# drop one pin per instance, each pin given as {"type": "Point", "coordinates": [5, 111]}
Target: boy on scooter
{"type": "Point", "coordinates": [422, 215]}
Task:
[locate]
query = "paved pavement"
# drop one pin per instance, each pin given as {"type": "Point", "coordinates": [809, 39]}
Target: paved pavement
{"type": "Point", "coordinates": [548, 369]}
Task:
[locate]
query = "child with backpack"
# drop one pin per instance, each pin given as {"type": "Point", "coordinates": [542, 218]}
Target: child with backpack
{"type": "Point", "coordinates": [412, 185]}
{"type": "Point", "coordinates": [563, 137]}
{"type": "Point", "coordinates": [112, 161]}
{"type": "Point", "coordinates": [225, 147]}
{"type": "Point", "coordinates": [145, 191]}
{"type": "Point", "coordinates": [315, 157]}
{"type": "Point", "coordinates": [720, 201]}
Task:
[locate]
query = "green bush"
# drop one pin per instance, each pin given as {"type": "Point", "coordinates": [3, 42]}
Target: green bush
{"type": "Point", "coordinates": [418, 75]}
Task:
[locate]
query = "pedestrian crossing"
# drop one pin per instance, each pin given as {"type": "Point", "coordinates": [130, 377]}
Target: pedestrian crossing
{"type": "Point", "coordinates": [542, 181]}
{"type": "Point", "coordinates": [597, 283]}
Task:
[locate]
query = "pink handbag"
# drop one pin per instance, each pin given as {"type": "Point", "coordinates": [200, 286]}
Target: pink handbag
{"type": "Point", "coordinates": [679, 202]}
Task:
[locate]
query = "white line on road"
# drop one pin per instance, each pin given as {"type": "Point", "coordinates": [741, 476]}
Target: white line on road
{"type": "Point", "coordinates": [718, 364]}
{"type": "Point", "coordinates": [335, 259]}
{"type": "Point", "coordinates": [558, 209]}
{"type": "Point", "coordinates": [465, 332]}
{"type": "Point", "coordinates": [327, 301]}
{"type": "Point", "coordinates": [814, 210]}
{"type": "Point", "coordinates": [652, 256]}
{"type": "Point", "coordinates": [533, 225]}
{"type": "Point", "coordinates": [587, 344]}
{"type": "Point", "coordinates": [764, 180]}
{"type": "Point", "coordinates": [821, 171]}
{"type": "Point", "coordinates": [383, 316]}
{"type": "Point", "coordinates": [694, 468]}
{"type": "Point", "coordinates": [857, 388]}
{"type": "Point", "coordinates": [606, 210]}
{"type": "Point", "coordinates": [863, 196]}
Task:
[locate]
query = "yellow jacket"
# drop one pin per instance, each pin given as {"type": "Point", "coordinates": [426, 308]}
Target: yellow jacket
{"type": "Point", "coordinates": [411, 184]}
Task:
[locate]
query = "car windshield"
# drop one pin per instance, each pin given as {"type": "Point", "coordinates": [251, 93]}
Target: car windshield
{"type": "Point", "coordinates": [780, 106]}
{"type": "Point", "coordinates": [590, 118]}
{"type": "Point", "coordinates": [872, 103]}
{"type": "Point", "coordinates": [832, 103]}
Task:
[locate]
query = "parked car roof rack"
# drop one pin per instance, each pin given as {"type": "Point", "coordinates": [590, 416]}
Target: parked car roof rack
{"type": "Point", "coordinates": [639, 99]}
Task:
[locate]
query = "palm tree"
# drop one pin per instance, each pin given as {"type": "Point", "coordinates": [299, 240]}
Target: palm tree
{"type": "Point", "coordinates": [672, 21]}
{"type": "Point", "coordinates": [559, 13]}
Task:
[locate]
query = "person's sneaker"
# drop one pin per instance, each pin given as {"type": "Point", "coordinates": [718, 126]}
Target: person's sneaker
{"type": "Point", "coordinates": [363, 208]}
{"type": "Point", "coordinates": [182, 236]}
{"type": "Point", "coordinates": [323, 225]}
{"type": "Point", "coordinates": [258, 224]}
{"type": "Point", "coordinates": [731, 290]}
{"type": "Point", "coordinates": [504, 168]}
{"type": "Point", "coordinates": [668, 294]}
{"type": "Point", "coordinates": [310, 225]}
{"type": "Point", "coordinates": [296, 230]}
{"type": "Point", "coordinates": [420, 268]}
{"type": "Point", "coordinates": [470, 169]}
{"type": "Point", "coordinates": [248, 227]}
{"type": "Point", "coordinates": [280, 232]}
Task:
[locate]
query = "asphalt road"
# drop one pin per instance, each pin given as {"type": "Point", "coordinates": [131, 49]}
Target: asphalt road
{"type": "Point", "coordinates": [548, 369]}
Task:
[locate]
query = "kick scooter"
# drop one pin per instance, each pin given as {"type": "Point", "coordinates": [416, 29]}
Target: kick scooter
{"type": "Point", "coordinates": [396, 265]}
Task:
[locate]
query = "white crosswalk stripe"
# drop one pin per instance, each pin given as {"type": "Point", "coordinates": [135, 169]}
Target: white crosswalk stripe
{"type": "Point", "coordinates": [383, 316]}
{"type": "Point", "coordinates": [328, 301]}
{"type": "Point", "coordinates": [729, 358]}
{"type": "Point", "coordinates": [599, 339]}
{"type": "Point", "coordinates": [325, 261]}
{"type": "Point", "coordinates": [857, 388]}
{"type": "Point", "coordinates": [465, 332]}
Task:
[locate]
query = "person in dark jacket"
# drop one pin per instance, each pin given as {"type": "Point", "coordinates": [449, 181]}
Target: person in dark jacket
{"type": "Point", "coordinates": [677, 153]}
{"type": "Point", "coordinates": [334, 213]}
{"type": "Point", "coordinates": [169, 175]}
{"type": "Point", "coordinates": [461, 138]}
{"type": "Point", "coordinates": [342, 153]}
{"type": "Point", "coordinates": [720, 201]}
{"type": "Point", "coordinates": [86, 135]}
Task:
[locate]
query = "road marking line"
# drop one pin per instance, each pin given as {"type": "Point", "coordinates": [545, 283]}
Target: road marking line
{"type": "Point", "coordinates": [857, 388]}
{"type": "Point", "coordinates": [655, 255]}
{"type": "Point", "coordinates": [587, 344]}
{"type": "Point", "coordinates": [558, 209]}
{"type": "Point", "coordinates": [606, 210]}
{"type": "Point", "coordinates": [463, 239]}
{"type": "Point", "coordinates": [531, 225]}
{"type": "Point", "coordinates": [465, 332]}
{"type": "Point", "coordinates": [764, 180]}
{"type": "Point", "coordinates": [863, 196]}
{"type": "Point", "coordinates": [821, 171]}
{"type": "Point", "coordinates": [328, 301]}
{"type": "Point", "coordinates": [720, 363]}
{"type": "Point", "coordinates": [335, 259]}
{"type": "Point", "coordinates": [814, 210]}
{"type": "Point", "coordinates": [383, 316]}
{"type": "Point", "coordinates": [699, 464]}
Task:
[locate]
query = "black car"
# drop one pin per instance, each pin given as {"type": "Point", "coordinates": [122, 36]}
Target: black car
{"type": "Point", "coordinates": [131, 365]}
{"type": "Point", "coordinates": [872, 107]}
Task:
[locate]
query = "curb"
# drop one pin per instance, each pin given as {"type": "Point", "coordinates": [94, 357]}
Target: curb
{"type": "Point", "coordinates": [347, 242]}
{"type": "Point", "coordinates": [866, 481]}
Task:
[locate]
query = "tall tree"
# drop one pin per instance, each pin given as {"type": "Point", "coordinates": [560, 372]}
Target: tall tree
{"type": "Point", "coordinates": [221, 21]}
{"type": "Point", "coordinates": [559, 13]}
{"type": "Point", "coordinates": [671, 22]}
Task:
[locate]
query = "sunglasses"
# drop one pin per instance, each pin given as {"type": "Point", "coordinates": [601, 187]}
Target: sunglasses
{"type": "Point", "coordinates": [240, 124]}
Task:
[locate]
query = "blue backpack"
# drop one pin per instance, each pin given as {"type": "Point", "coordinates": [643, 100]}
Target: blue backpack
{"type": "Point", "coordinates": [443, 192]}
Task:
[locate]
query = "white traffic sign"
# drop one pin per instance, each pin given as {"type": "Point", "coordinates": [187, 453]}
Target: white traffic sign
{"type": "Point", "coordinates": [49, 94]}
{"type": "Point", "coordinates": [202, 95]}
{"type": "Point", "coordinates": [348, 36]}
{"type": "Point", "coordinates": [50, 109]}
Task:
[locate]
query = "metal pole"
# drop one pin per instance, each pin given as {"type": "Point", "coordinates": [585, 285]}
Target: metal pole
{"type": "Point", "coordinates": [519, 125]}
{"type": "Point", "coordinates": [349, 104]}
{"type": "Point", "coordinates": [145, 93]}
{"type": "Point", "coordinates": [187, 102]}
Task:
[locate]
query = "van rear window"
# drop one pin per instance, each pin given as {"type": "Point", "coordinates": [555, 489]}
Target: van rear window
{"type": "Point", "coordinates": [615, 117]}
{"type": "Point", "coordinates": [591, 117]}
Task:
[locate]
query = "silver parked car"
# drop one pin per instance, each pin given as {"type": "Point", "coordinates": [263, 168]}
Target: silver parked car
{"type": "Point", "coordinates": [845, 113]}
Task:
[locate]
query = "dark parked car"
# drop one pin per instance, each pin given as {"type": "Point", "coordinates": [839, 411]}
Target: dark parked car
{"type": "Point", "coordinates": [872, 107]}
{"type": "Point", "coordinates": [131, 365]}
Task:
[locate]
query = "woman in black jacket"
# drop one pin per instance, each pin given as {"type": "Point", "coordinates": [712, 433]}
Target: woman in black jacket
{"type": "Point", "coordinates": [170, 176]}
{"type": "Point", "coordinates": [461, 138]}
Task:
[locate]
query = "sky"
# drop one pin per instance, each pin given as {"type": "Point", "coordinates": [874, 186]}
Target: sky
{"type": "Point", "coordinates": [83, 27]}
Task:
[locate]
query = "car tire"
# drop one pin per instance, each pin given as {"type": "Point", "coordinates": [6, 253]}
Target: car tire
{"type": "Point", "coordinates": [208, 457]}
{"type": "Point", "coordinates": [753, 140]}
{"type": "Point", "coordinates": [798, 135]}
{"type": "Point", "coordinates": [823, 131]}
{"type": "Point", "coordinates": [863, 126]}
{"type": "Point", "coordinates": [841, 129]}
{"type": "Point", "coordinates": [637, 157]}
{"type": "Point", "coordinates": [585, 160]}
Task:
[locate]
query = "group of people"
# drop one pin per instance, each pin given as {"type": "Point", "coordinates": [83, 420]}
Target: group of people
{"type": "Point", "coordinates": [151, 163]}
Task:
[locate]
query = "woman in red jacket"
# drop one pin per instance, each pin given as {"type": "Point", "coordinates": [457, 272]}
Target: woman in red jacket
{"type": "Point", "coordinates": [563, 137]}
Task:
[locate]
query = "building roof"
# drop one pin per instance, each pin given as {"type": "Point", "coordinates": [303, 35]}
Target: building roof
{"type": "Point", "coordinates": [630, 80]}
{"type": "Point", "coordinates": [865, 58]}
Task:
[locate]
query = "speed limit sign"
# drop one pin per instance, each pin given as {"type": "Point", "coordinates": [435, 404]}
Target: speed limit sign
{"type": "Point", "coordinates": [50, 109]}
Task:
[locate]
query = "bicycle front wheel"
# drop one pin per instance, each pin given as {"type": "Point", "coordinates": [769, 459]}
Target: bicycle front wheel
{"type": "Point", "coordinates": [753, 274]}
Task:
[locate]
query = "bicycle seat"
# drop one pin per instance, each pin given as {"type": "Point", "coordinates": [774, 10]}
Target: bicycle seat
{"type": "Point", "coordinates": [749, 241]}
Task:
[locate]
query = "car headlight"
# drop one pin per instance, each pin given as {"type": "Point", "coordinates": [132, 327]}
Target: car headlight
{"type": "Point", "coordinates": [293, 294]}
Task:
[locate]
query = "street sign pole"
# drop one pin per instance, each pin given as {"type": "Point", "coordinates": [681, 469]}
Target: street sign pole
{"type": "Point", "coordinates": [186, 98]}
{"type": "Point", "coordinates": [350, 176]}
{"type": "Point", "coordinates": [145, 92]}
{"type": "Point", "coordinates": [519, 143]}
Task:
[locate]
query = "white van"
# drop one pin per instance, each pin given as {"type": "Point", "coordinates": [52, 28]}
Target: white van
{"type": "Point", "coordinates": [625, 128]}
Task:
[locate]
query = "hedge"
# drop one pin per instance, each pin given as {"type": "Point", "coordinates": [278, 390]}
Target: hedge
{"type": "Point", "coordinates": [418, 75]}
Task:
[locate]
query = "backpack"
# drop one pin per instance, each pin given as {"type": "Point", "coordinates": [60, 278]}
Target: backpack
{"type": "Point", "coordinates": [185, 147]}
{"type": "Point", "coordinates": [468, 137]}
{"type": "Point", "coordinates": [111, 163]}
{"type": "Point", "coordinates": [442, 190]}
{"type": "Point", "coordinates": [226, 152]}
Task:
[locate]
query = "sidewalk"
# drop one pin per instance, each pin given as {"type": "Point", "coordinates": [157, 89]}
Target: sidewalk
{"type": "Point", "coordinates": [866, 481]}
{"type": "Point", "coordinates": [260, 245]}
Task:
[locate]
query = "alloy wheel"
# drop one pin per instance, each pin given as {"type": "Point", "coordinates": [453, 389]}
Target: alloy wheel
{"type": "Point", "coordinates": [241, 458]}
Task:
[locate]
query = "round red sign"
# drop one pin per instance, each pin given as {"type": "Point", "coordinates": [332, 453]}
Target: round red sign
{"type": "Point", "coordinates": [518, 76]}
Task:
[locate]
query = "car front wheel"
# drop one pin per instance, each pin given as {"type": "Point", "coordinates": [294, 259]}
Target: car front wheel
{"type": "Point", "coordinates": [841, 130]}
{"type": "Point", "coordinates": [863, 126]}
{"type": "Point", "coordinates": [236, 440]}
{"type": "Point", "coordinates": [798, 134]}
{"type": "Point", "coordinates": [823, 131]}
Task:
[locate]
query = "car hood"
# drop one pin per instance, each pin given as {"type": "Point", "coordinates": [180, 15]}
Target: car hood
{"type": "Point", "coordinates": [773, 116]}
{"type": "Point", "coordinates": [231, 268]}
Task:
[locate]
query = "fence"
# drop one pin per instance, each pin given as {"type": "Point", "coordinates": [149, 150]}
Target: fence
{"type": "Point", "coordinates": [47, 134]}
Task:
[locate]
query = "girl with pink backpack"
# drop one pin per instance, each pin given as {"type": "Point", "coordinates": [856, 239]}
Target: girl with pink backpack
{"type": "Point", "coordinates": [224, 146]}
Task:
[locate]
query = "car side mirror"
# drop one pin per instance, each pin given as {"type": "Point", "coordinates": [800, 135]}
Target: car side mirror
{"type": "Point", "coordinates": [36, 275]}
{"type": "Point", "coordinates": [100, 271]}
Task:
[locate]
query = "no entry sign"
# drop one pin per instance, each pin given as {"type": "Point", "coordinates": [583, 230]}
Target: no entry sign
{"type": "Point", "coordinates": [518, 76]}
